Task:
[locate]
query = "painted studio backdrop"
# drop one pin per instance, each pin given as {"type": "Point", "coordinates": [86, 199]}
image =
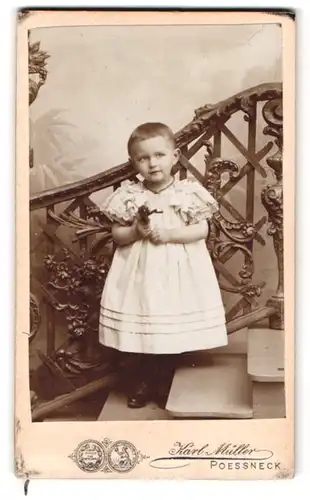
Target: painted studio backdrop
{"type": "Point", "coordinates": [103, 81]}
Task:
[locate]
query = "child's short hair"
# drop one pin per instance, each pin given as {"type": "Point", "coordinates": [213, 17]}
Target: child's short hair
{"type": "Point", "coordinates": [148, 130]}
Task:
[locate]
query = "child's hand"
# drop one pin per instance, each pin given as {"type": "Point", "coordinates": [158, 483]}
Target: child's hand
{"type": "Point", "coordinates": [142, 230]}
{"type": "Point", "coordinates": [159, 236]}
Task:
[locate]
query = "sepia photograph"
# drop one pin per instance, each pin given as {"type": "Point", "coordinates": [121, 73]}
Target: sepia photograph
{"type": "Point", "coordinates": [156, 228]}
{"type": "Point", "coordinates": [156, 222]}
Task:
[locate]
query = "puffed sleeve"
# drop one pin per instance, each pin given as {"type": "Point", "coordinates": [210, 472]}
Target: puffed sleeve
{"type": "Point", "coordinates": [194, 202]}
{"type": "Point", "coordinates": [121, 207]}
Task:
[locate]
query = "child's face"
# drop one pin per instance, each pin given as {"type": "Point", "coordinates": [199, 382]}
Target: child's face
{"type": "Point", "coordinates": [154, 158]}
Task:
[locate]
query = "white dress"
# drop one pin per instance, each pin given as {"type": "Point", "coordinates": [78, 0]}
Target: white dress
{"type": "Point", "coordinates": [162, 299]}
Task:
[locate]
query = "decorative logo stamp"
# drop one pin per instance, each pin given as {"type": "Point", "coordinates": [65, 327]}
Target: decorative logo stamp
{"type": "Point", "coordinates": [107, 456]}
{"type": "Point", "coordinates": [90, 456]}
{"type": "Point", "coordinates": [123, 456]}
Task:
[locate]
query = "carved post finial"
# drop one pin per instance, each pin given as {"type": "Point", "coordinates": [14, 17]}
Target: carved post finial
{"type": "Point", "coordinates": [272, 199]}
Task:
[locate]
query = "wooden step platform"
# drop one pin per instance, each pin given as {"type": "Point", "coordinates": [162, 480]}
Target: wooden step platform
{"type": "Point", "coordinates": [116, 408]}
{"type": "Point", "coordinates": [266, 355]}
{"type": "Point", "coordinates": [266, 370]}
{"type": "Point", "coordinates": [219, 389]}
{"type": "Point", "coordinates": [268, 400]}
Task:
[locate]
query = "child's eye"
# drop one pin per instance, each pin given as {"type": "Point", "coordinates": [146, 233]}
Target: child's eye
{"type": "Point", "coordinates": [159, 155]}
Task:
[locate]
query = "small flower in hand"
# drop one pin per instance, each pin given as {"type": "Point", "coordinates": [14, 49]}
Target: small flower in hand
{"type": "Point", "coordinates": [159, 236]}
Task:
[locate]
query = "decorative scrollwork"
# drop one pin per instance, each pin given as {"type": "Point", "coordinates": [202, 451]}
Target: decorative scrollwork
{"type": "Point", "coordinates": [83, 283]}
{"type": "Point", "coordinates": [245, 287]}
{"type": "Point", "coordinates": [206, 121]}
{"type": "Point", "coordinates": [35, 316]}
{"type": "Point", "coordinates": [240, 231]}
{"type": "Point", "coordinates": [248, 105]}
{"type": "Point", "coordinates": [96, 223]}
{"type": "Point", "coordinates": [208, 118]}
{"type": "Point", "coordinates": [273, 115]}
{"type": "Point", "coordinates": [80, 282]}
{"type": "Point", "coordinates": [73, 362]}
{"type": "Point", "coordinates": [218, 166]}
{"type": "Point", "coordinates": [95, 213]}
{"type": "Point", "coordinates": [272, 199]}
{"type": "Point", "coordinates": [215, 168]}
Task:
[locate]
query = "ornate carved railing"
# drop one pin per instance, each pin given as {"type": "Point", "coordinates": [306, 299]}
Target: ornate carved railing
{"type": "Point", "coordinates": [71, 257]}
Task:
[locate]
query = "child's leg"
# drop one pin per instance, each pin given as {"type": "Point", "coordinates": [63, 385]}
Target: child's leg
{"type": "Point", "coordinates": [163, 374]}
{"type": "Point", "coordinates": [151, 379]}
{"type": "Point", "coordinates": [140, 392]}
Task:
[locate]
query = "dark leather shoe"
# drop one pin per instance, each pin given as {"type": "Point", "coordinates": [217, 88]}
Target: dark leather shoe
{"type": "Point", "coordinates": [140, 397]}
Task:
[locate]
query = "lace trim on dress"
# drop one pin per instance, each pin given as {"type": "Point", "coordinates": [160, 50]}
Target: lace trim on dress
{"type": "Point", "coordinates": [188, 198]}
{"type": "Point", "coordinates": [193, 202]}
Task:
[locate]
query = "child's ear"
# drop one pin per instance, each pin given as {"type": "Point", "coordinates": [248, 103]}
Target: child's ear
{"type": "Point", "coordinates": [177, 154]}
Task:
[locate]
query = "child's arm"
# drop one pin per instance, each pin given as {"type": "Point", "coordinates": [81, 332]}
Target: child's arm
{"type": "Point", "coordinates": [190, 234]}
{"type": "Point", "coordinates": [187, 234]}
{"type": "Point", "coordinates": [126, 235]}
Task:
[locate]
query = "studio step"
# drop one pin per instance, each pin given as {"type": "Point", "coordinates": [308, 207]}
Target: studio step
{"type": "Point", "coordinates": [268, 400]}
{"type": "Point", "coordinates": [266, 355]}
{"type": "Point", "coordinates": [218, 387]}
{"type": "Point", "coordinates": [266, 370]}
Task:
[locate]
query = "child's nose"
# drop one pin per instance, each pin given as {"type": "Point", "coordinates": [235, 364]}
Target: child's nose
{"type": "Point", "coordinates": [153, 161]}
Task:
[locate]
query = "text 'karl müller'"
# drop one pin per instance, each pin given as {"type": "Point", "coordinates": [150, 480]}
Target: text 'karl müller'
{"type": "Point", "coordinates": [226, 456]}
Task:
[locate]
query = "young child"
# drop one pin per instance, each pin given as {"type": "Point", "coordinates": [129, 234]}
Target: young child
{"type": "Point", "coordinates": [161, 296]}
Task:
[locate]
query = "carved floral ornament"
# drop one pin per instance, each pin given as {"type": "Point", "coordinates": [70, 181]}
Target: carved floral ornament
{"type": "Point", "coordinates": [78, 283]}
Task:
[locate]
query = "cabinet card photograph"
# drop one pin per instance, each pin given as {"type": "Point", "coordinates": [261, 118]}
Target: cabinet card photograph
{"type": "Point", "coordinates": [155, 245]}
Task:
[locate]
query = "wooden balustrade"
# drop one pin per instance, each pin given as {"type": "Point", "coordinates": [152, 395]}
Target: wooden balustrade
{"type": "Point", "coordinates": [69, 265]}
